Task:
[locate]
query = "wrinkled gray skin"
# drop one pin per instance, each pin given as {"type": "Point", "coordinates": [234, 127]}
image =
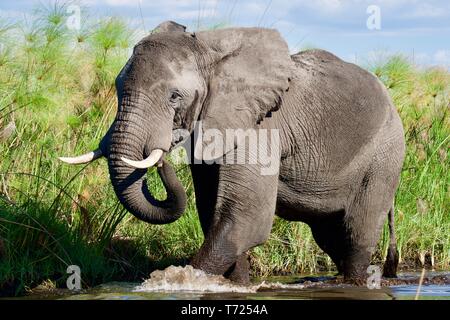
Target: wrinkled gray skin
{"type": "Point", "coordinates": [342, 143]}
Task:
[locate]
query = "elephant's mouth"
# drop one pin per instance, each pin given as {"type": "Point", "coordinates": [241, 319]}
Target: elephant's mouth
{"type": "Point", "coordinates": [179, 137]}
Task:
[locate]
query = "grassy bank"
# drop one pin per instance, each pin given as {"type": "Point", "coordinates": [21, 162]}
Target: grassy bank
{"type": "Point", "coordinates": [57, 98]}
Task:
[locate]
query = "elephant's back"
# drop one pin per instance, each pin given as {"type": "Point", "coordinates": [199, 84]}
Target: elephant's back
{"type": "Point", "coordinates": [339, 87]}
{"type": "Point", "coordinates": [347, 106]}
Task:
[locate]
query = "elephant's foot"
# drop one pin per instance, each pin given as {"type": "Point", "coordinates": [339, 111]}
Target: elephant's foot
{"type": "Point", "coordinates": [355, 268]}
{"type": "Point", "coordinates": [213, 260]}
{"type": "Point", "coordinates": [356, 281]}
{"type": "Point", "coordinates": [208, 265]}
{"type": "Point", "coordinates": [237, 271]}
{"type": "Point", "coordinates": [240, 271]}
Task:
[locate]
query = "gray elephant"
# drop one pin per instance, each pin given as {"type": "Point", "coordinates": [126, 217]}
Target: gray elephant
{"type": "Point", "coordinates": [340, 148]}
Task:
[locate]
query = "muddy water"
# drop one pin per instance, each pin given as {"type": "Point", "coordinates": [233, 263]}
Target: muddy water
{"type": "Point", "coordinates": [188, 283]}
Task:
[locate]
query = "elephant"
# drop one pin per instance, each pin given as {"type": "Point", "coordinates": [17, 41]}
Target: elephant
{"type": "Point", "coordinates": [340, 146]}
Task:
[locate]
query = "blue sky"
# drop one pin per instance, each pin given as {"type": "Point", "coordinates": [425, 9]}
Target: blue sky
{"type": "Point", "coordinates": [419, 29]}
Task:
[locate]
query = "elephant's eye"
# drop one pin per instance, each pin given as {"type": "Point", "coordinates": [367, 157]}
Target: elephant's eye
{"type": "Point", "coordinates": [174, 96]}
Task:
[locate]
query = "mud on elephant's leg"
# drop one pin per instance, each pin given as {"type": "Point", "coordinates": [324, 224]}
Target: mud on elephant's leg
{"type": "Point", "coordinates": [243, 218]}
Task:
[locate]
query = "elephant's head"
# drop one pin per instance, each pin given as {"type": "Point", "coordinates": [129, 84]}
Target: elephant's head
{"type": "Point", "coordinates": [227, 79]}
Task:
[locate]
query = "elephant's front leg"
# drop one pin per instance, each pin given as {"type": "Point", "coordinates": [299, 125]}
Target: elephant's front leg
{"type": "Point", "coordinates": [243, 216]}
{"type": "Point", "coordinates": [206, 181]}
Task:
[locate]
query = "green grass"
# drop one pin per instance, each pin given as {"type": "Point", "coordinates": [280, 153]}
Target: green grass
{"type": "Point", "coordinates": [57, 97]}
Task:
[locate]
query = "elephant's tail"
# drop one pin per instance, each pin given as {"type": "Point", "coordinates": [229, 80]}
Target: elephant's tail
{"type": "Point", "coordinates": [391, 263]}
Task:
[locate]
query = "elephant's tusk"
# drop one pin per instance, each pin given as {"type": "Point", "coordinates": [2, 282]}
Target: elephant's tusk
{"type": "Point", "coordinates": [150, 161]}
{"type": "Point", "coordinates": [85, 158]}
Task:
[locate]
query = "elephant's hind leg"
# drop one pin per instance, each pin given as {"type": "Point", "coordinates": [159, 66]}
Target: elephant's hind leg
{"type": "Point", "coordinates": [369, 207]}
{"type": "Point", "coordinates": [363, 221]}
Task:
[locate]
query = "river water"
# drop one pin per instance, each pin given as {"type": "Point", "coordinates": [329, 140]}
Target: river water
{"type": "Point", "coordinates": [176, 283]}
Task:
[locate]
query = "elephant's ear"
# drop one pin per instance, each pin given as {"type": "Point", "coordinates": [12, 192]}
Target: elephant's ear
{"type": "Point", "coordinates": [251, 73]}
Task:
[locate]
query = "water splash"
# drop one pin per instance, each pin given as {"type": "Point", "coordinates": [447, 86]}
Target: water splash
{"type": "Point", "coordinates": [175, 279]}
{"type": "Point", "coordinates": [188, 279]}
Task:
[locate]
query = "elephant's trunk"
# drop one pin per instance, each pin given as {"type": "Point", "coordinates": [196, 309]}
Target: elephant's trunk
{"type": "Point", "coordinates": [131, 188]}
{"type": "Point", "coordinates": [128, 140]}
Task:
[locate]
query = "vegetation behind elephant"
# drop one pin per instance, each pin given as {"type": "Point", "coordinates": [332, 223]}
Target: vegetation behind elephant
{"type": "Point", "coordinates": [340, 145]}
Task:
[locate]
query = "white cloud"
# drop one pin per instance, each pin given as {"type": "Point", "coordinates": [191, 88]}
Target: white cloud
{"type": "Point", "coordinates": [326, 5]}
{"type": "Point", "coordinates": [152, 3]}
{"type": "Point", "coordinates": [426, 10]}
{"type": "Point", "coordinates": [14, 14]}
{"type": "Point", "coordinates": [397, 32]}
{"type": "Point", "coordinates": [193, 14]}
{"type": "Point", "coordinates": [438, 58]}
{"type": "Point", "coordinates": [422, 58]}
{"type": "Point", "coordinates": [121, 2]}
{"type": "Point", "coordinates": [442, 57]}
